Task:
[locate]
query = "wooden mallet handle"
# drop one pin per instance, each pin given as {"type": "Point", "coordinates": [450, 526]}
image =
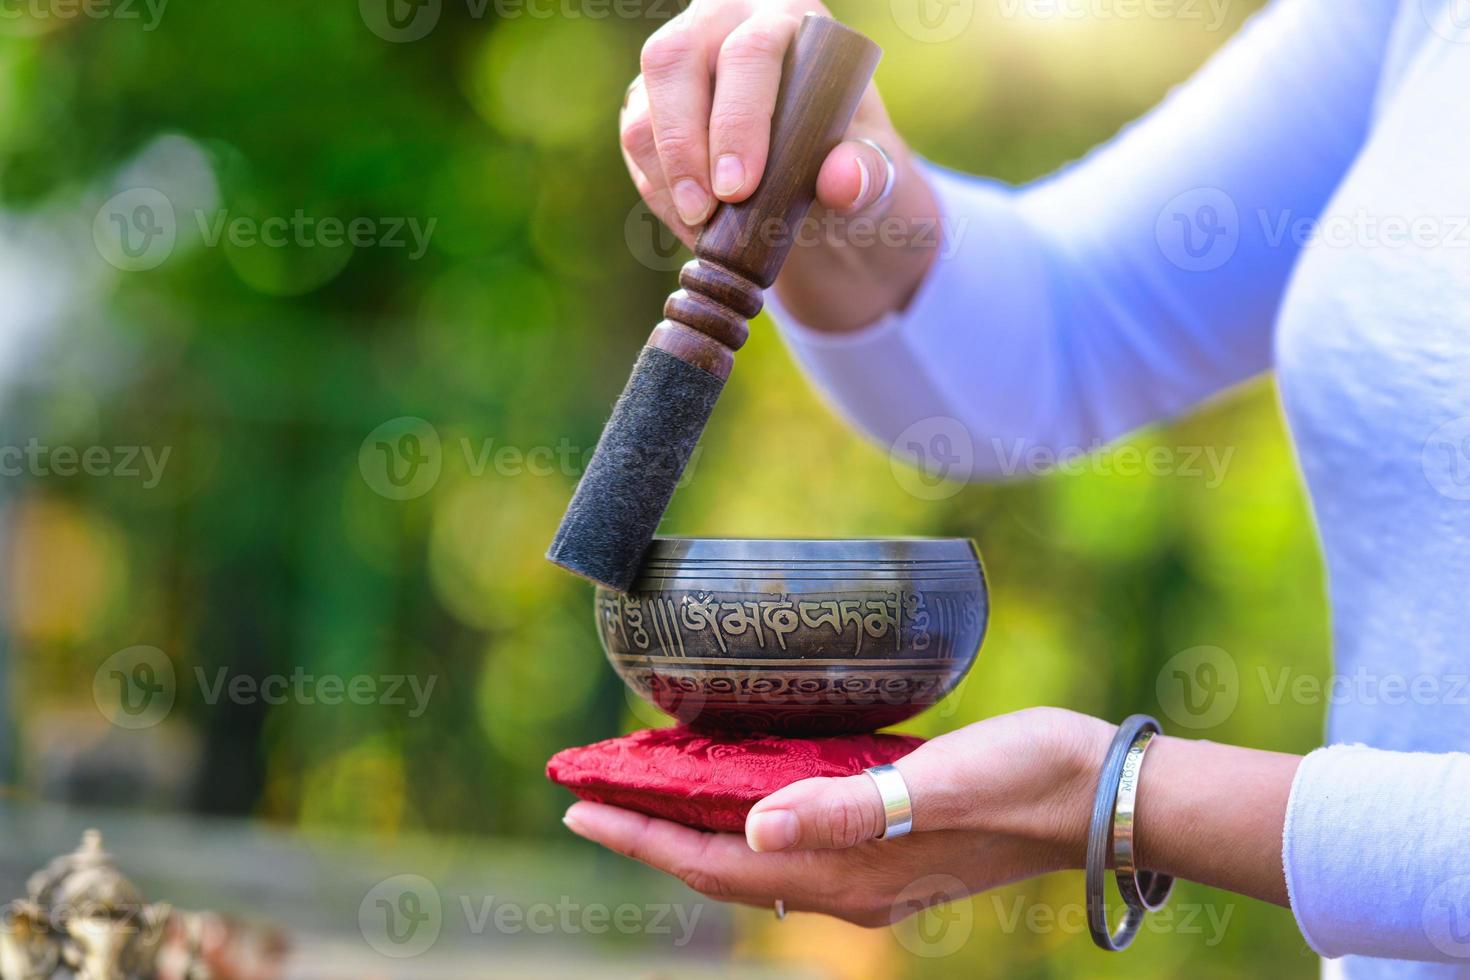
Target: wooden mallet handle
{"type": "Point", "coordinates": [671, 394]}
{"type": "Point", "coordinates": [742, 249]}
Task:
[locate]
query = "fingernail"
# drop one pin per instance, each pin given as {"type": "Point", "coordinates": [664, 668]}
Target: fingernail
{"type": "Point", "coordinates": [572, 825]}
{"type": "Point", "coordinates": [692, 202]}
{"type": "Point", "coordinates": [773, 830]}
{"type": "Point", "coordinates": [865, 184]}
{"type": "Point", "coordinates": [729, 175]}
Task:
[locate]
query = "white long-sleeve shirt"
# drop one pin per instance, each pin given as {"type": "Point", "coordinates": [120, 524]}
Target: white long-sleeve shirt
{"type": "Point", "coordinates": [1302, 204]}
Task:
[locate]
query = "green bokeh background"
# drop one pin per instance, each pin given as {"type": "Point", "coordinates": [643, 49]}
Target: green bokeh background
{"type": "Point", "coordinates": [265, 549]}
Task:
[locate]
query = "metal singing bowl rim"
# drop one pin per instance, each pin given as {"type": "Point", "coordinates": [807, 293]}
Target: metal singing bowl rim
{"type": "Point", "coordinates": [776, 559]}
{"type": "Point", "coordinates": [665, 550]}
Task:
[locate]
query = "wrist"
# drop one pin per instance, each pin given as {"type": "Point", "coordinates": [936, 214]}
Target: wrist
{"type": "Point", "coordinates": [1077, 764]}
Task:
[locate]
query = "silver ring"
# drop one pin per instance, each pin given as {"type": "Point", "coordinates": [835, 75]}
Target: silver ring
{"type": "Point", "coordinates": [780, 909]}
{"type": "Point", "coordinates": [890, 181]}
{"type": "Point", "coordinates": [898, 808]}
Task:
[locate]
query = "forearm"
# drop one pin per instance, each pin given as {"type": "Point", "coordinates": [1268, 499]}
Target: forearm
{"type": "Point", "coordinates": [1214, 814]}
{"type": "Point", "coordinates": [1207, 812]}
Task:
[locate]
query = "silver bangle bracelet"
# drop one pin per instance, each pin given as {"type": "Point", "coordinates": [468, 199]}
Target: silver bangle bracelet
{"type": "Point", "coordinates": [1146, 890]}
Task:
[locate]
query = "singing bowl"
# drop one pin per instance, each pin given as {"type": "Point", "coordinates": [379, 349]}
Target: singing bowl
{"type": "Point", "coordinates": [797, 637]}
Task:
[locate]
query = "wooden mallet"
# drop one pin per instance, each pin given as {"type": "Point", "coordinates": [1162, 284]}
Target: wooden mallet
{"type": "Point", "coordinates": [679, 376]}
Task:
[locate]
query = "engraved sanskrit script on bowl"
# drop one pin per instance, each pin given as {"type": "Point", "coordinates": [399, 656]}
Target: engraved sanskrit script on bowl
{"type": "Point", "coordinates": [797, 637]}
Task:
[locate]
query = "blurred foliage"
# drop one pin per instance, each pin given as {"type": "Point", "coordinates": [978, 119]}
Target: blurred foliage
{"type": "Point", "coordinates": [263, 548]}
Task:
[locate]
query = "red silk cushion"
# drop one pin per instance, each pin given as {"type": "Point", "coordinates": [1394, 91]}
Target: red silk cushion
{"type": "Point", "coordinates": [711, 782]}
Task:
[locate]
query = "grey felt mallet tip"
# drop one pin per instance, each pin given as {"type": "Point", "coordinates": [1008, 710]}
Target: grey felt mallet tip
{"type": "Point", "coordinates": [638, 463]}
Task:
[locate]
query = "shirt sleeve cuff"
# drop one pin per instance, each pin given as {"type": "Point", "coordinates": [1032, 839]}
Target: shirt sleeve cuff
{"type": "Point", "coordinates": [1374, 857]}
